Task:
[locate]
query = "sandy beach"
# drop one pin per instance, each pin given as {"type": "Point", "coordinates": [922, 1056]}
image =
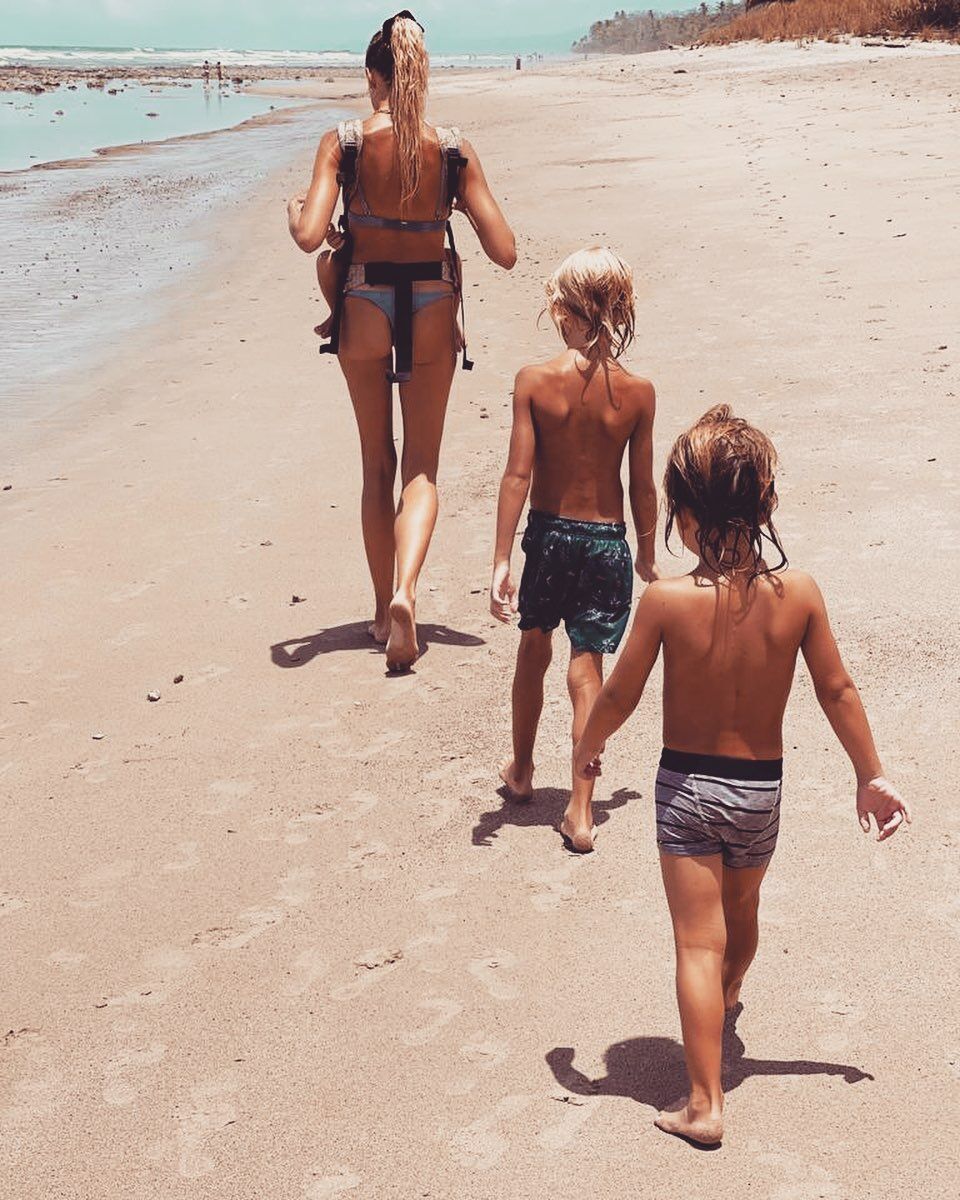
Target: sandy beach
{"type": "Point", "coordinates": [276, 934]}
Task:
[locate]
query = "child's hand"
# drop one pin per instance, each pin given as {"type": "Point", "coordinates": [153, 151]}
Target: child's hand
{"type": "Point", "coordinates": [649, 572]}
{"type": "Point", "coordinates": [503, 593]}
{"type": "Point", "coordinates": [886, 804]}
{"type": "Point", "coordinates": [585, 767]}
{"type": "Point", "coordinates": [334, 237]}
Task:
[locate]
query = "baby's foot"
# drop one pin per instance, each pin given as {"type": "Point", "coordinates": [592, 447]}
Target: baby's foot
{"type": "Point", "coordinates": [578, 836]}
{"type": "Point", "coordinates": [402, 648]}
{"type": "Point", "coordinates": [518, 783]}
{"type": "Point", "coordinates": [705, 1129]}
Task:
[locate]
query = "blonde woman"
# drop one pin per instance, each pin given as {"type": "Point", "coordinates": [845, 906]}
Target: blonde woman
{"type": "Point", "coordinates": [395, 290]}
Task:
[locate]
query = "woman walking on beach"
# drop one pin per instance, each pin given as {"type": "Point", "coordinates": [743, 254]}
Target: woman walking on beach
{"type": "Point", "coordinates": [394, 291]}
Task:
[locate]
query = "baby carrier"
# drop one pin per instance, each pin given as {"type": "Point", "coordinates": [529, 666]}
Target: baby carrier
{"type": "Point", "coordinates": [401, 277]}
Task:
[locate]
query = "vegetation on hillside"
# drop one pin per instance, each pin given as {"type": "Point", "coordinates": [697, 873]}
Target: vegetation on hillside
{"type": "Point", "coordinates": [830, 19]}
{"type": "Point", "coordinates": [635, 33]}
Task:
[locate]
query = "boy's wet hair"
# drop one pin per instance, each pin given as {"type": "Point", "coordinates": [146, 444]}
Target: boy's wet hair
{"type": "Point", "coordinates": [596, 286]}
{"type": "Point", "coordinates": [721, 471]}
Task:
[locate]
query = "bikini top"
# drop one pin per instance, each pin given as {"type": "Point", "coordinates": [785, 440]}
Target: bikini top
{"type": "Point", "coordinates": [350, 136]}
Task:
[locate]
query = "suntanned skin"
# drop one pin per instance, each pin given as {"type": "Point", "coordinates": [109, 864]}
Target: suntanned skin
{"type": "Point", "coordinates": [730, 647]}
{"type": "Point", "coordinates": [396, 536]}
{"type": "Point", "coordinates": [573, 419]}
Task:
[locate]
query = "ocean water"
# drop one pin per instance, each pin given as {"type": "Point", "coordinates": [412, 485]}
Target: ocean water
{"type": "Point", "coordinates": [107, 57]}
{"type": "Point", "coordinates": [89, 253]}
{"type": "Point", "coordinates": [74, 122]}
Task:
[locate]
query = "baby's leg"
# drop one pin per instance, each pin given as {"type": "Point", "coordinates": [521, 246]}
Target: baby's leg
{"type": "Point", "coordinates": [328, 276]}
{"type": "Point", "coordinates": [584, 681]}
{"type": "Point", "coordinates": [533, 658]}
{"type": "Point", "coordinates": [741, 900]}
{"type": "Point", "coordinates": [694, 888]}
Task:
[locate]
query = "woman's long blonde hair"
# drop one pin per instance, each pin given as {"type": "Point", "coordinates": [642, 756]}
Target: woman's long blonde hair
{"type": "Point", "coordinates": [398, 54]}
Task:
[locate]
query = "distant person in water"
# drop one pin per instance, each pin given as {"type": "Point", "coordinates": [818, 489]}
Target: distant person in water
{"type": "Point", "coordinates": [730, 632]}
{"type": "Point", "coordinates": [574, 418]}
{"type": "Point", "coordinates": [206, 71]}
{"type": "Point", "coordinates": [219, 72]}
{"type": "Point", "coordinates": [519, 64]}
{"type": "Point", "coordinates": [394, 290]}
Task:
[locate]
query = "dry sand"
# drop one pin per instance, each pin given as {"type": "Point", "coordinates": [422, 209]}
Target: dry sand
{"type": "Point", "coordinates": [276, 935]}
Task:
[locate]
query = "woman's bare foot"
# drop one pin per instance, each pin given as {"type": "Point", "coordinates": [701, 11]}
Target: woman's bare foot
{"type": "Point", "coordinates": [518, 783]}
{"type": "Point", "coordinates": [576, 837]}
{"type": "Point", "coordinates": [705, 1129]}
{"type": "Point", "coordinates": [402, 648]}
{"type": "Point", "coordinates": [379, 630]}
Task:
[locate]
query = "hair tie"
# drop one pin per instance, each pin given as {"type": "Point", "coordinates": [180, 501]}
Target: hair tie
{"type": "Point", "coordinates": [387, 29]}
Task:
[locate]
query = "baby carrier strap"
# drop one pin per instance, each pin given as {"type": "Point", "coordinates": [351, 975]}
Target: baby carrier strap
{"type": "Point", "coordinates": [453, 163]}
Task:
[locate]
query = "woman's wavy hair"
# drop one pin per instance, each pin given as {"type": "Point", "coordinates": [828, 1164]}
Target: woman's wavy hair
{"type": "Point", "coordinates": [721, 472]}
{"type": "Point", "coordinates": [397, 53]}
{"type": "Point", "coordinates": [596, 286]}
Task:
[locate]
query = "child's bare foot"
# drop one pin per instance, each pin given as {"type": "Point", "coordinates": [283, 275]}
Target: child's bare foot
{"type": "Point", "coordinates": [379, 630]}
{"type": "Point", "coordinates": [577, 837]}
{"type": "Point", "coordinates": [402, 648]}
{"type": "Point", "coordinates": [325, 328]}
{"type": "Point", "coordinates": [518, 783]}
{"type": "Point", "coordinates": [705, 1129]}
{"type": "Point", "coordinates": [731, 994]}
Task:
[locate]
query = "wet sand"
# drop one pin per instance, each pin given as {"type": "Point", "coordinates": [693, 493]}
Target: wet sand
{"type": "Point", "coordinates": [276, 934]}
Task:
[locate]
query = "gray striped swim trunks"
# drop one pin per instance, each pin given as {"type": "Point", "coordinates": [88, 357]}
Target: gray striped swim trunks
{"type": "Point", "coordinates": [708, 804]}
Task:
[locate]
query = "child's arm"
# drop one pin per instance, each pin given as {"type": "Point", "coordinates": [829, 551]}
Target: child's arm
{"type": "Point", "coordinates": [643, 491]}
{"type": "Point", "coordinates": [840, 701]}
{"type": "Point", "coordinates": [622, 691]}
{"type": "Point", "coordinates": [514, 488]}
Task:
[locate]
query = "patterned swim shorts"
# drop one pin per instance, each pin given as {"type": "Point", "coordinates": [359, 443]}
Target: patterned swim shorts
{"type": "Point", "coordinates": [578, 572]}
{"type": "Point", "coordinates": [707, 804]}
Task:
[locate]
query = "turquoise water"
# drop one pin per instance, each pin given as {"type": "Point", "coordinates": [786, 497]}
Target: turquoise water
{"type": "Point", "coordinates": [73, 123]}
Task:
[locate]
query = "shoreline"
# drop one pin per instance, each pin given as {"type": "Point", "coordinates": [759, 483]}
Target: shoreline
{"type": "Point", "coordinates": [290, 871]}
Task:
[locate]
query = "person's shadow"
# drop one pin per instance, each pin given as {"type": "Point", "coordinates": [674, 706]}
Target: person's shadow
{"type": "Point", "coordinates": [651, 1070]}
{"type": "Point", "coordinates": [545, 807]}
{"type": "Point", "coordinates": [297, 652]}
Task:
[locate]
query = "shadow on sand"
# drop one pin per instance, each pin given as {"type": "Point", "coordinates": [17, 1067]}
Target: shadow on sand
{"type": "Point", "coordinates": [297, 652]}
{"type": "Point", "coordinates": [651, 1070]}
{"type": "Point", "coordinates": [545, 807]}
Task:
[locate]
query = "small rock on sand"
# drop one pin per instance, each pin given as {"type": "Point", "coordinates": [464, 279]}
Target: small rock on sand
{"type": "Point", "coordinates": [153, 697]}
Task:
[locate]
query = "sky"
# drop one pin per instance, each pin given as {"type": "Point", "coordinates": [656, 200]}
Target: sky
{"type": "Point", "coordinates": [452, 25]}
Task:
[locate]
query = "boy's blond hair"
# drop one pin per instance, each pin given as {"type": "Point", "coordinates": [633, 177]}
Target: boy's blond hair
{"type": "Point", "coordinates": [595, 286]}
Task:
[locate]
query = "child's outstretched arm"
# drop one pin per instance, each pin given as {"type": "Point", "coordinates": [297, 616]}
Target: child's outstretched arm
{"type": "Point", "coordinates": [643, 491]}
{"type": "Point", "coordinates": [514, 488]}
{"type": "Point", "coordinates": [621, 693]}
{"type": "Point", "coordinates": [840, 701]}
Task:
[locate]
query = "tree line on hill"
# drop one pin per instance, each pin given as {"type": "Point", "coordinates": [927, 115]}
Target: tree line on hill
{"type": "Point", "coordinates": [638, 32]}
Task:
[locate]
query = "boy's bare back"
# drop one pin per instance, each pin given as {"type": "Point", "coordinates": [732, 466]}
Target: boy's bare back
{"type": "Point", "coordinates": [729, 653]}
{"type": "Point", "coordinates": [583, 421]}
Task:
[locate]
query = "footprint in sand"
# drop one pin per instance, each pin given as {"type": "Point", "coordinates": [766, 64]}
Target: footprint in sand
{"type": "Point", "coordinates": [207, 674]}
{"type": "Point", "coordinates": [801, 1178]}
{"type": "Point", "coordinates": [300, 827]}
{"type": "Point", "coordinates": [9, 903]}
{"type": "Point", "coordinates": [331, 1185]}
{"type": "Point", "coordinates": [296, 887]}
{"type": "Point", "coordinates": [130, 633]}
{"type": "Point", "coordinates": [187, 860]}
{"type": "Point", "coordinates": [358, 805]}
{"type": "Point", "coordinates": [210, 1111]}
{"type": "Point", "coordinates": [491, 973]}
{"type": "Point", "coordinates": [550, 888]}
{"type": "Point", "coordinates": [483, 1055]}
{"type": "Point", "coordinates": [228, 792]}
{"type": "Point", "coordinates": [118, 1089]}
{"type": "Point", "coordinates": [38, 1094]}
{"type": "Point", "coordinates": [445, 1010]}
{"type": "Point", "coordinates": [65, 958]}
{"type": "Point", "coordinates": [389, 737]}
{"type": "Point", "coordinates": [579, 1110]}
{"type": "Point", "coordinates": [369, 860]}
{"type": "Point", "coordinates": [249, 925]}
{"type": "Point", "coordinates": [482, 1145]}
{"type": "Point", "coordinates": [131, 591]}
{"type": "Point", "coordinates": [373, 967]}
{"type": "Point", "coordinates": [309, 966]}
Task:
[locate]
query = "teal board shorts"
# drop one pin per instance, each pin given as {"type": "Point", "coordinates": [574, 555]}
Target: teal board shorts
{"type": "Point", "coordinates": [578, 572]}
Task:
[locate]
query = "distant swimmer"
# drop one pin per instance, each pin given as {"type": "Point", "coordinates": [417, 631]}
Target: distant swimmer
{"type": "Point", "coordinates": [219, 72]}
{"type": "Point", "coordinates": [206, 71]}
{"type": "Point", "coordinates": [519, 64]}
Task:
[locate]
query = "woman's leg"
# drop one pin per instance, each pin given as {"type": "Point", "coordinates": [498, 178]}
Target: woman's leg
{"type": "Point", "coordinates": [584, 681]}
{"type": "Point", "coordinates": [694, 888]}
{"type": "Point", "coordinates": [423, 402]}
{"type": "Point", "coordinates": [741, 900]}
{"type": "Point", "coordinates": [364, 359]}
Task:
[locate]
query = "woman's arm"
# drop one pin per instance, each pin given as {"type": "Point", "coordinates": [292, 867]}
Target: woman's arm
{"type": "Point", "coordinates": [514, 488]}
{"type": "Point", "coordinates": [622, 691]}
{"type": "Point", "coordinates": [310, 217]}
{"type": "Point", "coordinates": [483, 213]}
